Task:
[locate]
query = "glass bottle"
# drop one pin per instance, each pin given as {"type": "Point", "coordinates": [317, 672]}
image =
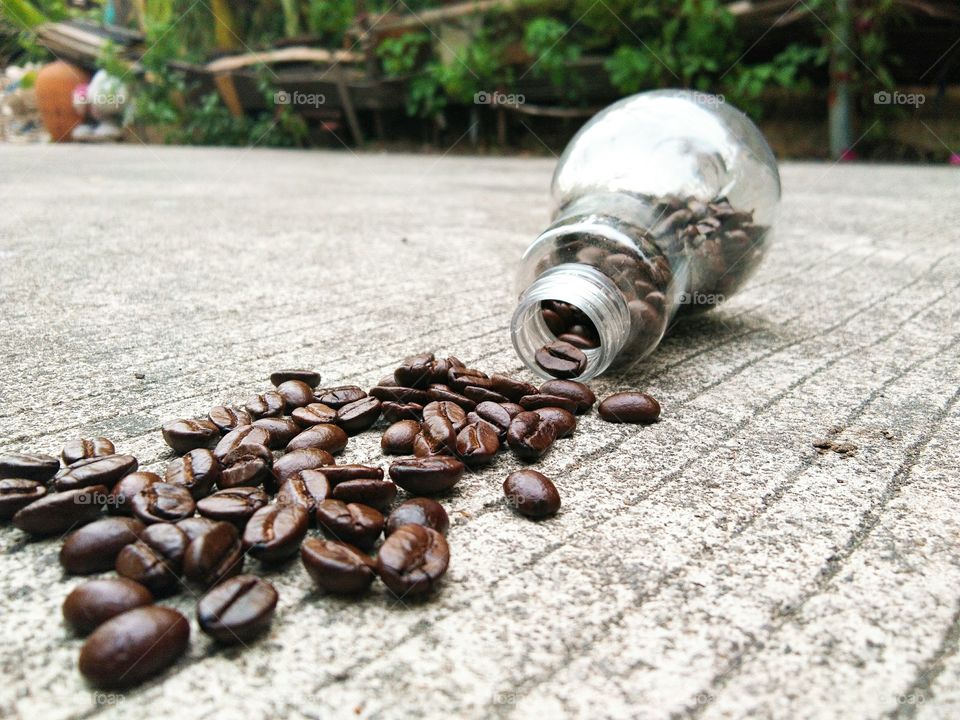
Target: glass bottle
{"type": "Point", "coordinates": [665, 203]}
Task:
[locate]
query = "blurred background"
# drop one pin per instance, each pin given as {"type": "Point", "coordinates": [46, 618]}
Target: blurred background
{"type": "Point", "coordinates": [843, 79]}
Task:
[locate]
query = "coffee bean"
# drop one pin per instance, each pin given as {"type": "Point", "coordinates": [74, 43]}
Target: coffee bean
{"type": "Point", "coordinates": [185, 435]}
{"type": "Point", "coordinates": [418, 511]}
{"type": "Point", "coordinates": [156, 560]}
{"type": "Point", "coordinates": [94, 547]}
{"type": "Point", "coordinates": [197, 471]}
{"type": "Point", "coordinates": [162, 503]}
{"type": "Point", "coordinates": [564, 422]}
{"type": "Point", "coordinates": [337, 567]}
{"type": "Point", "coordinates": [436, 437]}
{"type": "Point", "coordinates": [295, 393]}
{"type": "Point", "coordinates": [243, 435]}
{"type": "Point", "coordinates": [134, 646]}
{"type": "Point", "coordinates": [513, 409]}
{"type": "Point", "coordinates": [105, 470]}
{"type": "Point", "coordinates": [460, 378]}
{"type": "Point", "coordinates": [274, 532]}
{"type": "Point", "coordinates": [337, 474]}
{"type": "Point", "coordinates": [396, 411]}
{"type": "Point", "coordinates": [531, 493]}
{"type": "Point", "coordinates": [398, 438]}
{"type": "Point", "coordinates": [238, 609]}
{"type": "Point", "coordinates": [96, 601]}
{"type": "Point", "coordinates": [120, 501]}
{"type": "Point", "coordinates": [579, 341]}
{"type": "Point", "coordinates": [426, 476]}
{"type": "Point", "coordinates": [530, 436]}
{"type": "Point", "coordinates": [214, 556]}
{"type": "Point", "coordinates": [378, 494]}
{"type": "Point", "coordinates": [83, 449]}
{"type": "Point", "coordinates": [477, 444]}
{"type": "Point", "coordinates": [267, 404]}
{"type": "Point", "coordinates": [17, 493]}
{"type": "Point", "coordinates": [510, 388]}
{"type": "Point", "coordinates": [449, 411]}
{"type": "Point", "coordinates": [337, 397]}
{"type": "Point", "coordinates": [480, 394]}
{"type": "Point", "coordinates": [228, 418]}
{"type": "Point", "coordinates": [561, 359]}
{"type": "Point", "coordinates": [571, 389]}
{"type": "Point", "coordinates": [629, 407]}
{"type": "Point", "coordinates": [539, 400]}
{"type": "Point", "coordinates": [416, 371]}
{"type": "Point", "coordinates": [247, 465]}
{"type": "Point", "coordinates": [442, 393]}
{"type": "Point", "coordinates": [496, 415]}
{"type": "Point", "coordinates": [554, 322]}
{"type": "Point", "coordinates": [282, 430]}
{"type": "Point", "coordinates": [353, 523]}
{"type": "Point", "coordinates": [234, 505]}
{"type": "Point", "coordinates": [55, 514]}
{"type": "Point", "coordinates": [310, 377]}
{"type": "Point", "coordinates": [28, 467]}
{"type": "Point", "coordinates": [194, 527]}
{"type": "Point", "coordinates": [400, 395]}
{"type": "Point", "coordinates": [306, 489]}
{"type": "Point", "coordinates": [412, 560]}
{"type": "Point", "coordinates": [296, 460]}
{"type": "Point", "coordinates": [325, 437]}
{"type": "Point", "coordinates": [357, 416]}
{"type": "Point", "coordinates": [314, 414]}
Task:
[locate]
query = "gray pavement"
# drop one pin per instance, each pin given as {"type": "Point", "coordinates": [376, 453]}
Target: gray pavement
{"type": "Point", "coordinates": [715, 565]}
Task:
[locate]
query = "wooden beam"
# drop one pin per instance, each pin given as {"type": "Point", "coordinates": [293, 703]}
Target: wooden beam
{"type": "Point", "coordinates": [284, 55]}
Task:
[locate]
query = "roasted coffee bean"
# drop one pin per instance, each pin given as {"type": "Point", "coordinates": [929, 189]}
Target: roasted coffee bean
{"type": "Point", "coordinates": [445, 394]}
{"type": "Point", "coordinates": [83, 449]}
{"type": "Point", "coordinates": [564, 422]}
{"type": "Point", "coordinates": [228, 418]}
{"type": "Point", "coordinates": [357, 416]}
{"type": "Point", "coordinates": [247, 465]}
{"type": "Point", "coordinates": [477, 444]}
{"type": "Point", "coordinates": [295, 393]}
{"type": "Point", "coordinates": [581, 342]}
{"type": "Point", "coordinates": [306, 489]}
{"type": "Point", "coordinates": [412, 560]}
{"type": "Point", "coordinates": [121, 497]}
{"type": "Point", "coordinates": [325, 437]}
{"type": "Point", "coordinates": [243, 435]}
{"type": "Point", "coordinates": [274, 532]}
{"type": "Point", "coordinates": [510, 388]}
{"type": "Point", "coordinates": [234, 505]}
{"type": "Point", "coordinates": [314, 414]}
{"type": "Point", "coordinates": [105, 470]}
{"type": "Point", "coordinates": [377, 494]}
{"type": "Point", "coordinates": [282, 430]}
{"type": "Point", "coordinates": [398, 438]}
{"type": "Point", "coordinates": [96, 601]}
{"type": "Point", "coordinates": [400, 395]}
{"type": "Point", "coordinates": [163, 503]}
{"type": "Point", "coordinates": [418, 511]}
{"type": "Point", "coordinates": [310, 377]}
{"type": "Point", "coordinates": [481, 394]}
{"type": "Point", "coordinates": [296, 460]}
{"type": "Point", "coordinates": [94, 547]}
{"type": "Point", "coordinates": [512, 409]}
{"type": "Point", "coordinates": [459, 378]}
{"type": "Point", "coordinates": [561, 359]}
{"type": "Point", "coordinates": [426, 476]}
{"type": "Point", "coordinates": [134, 646]}
{"type": "Point", "coordinates": [55, 514]}
{"type": "Point", "coordinates": [531, 493]}
{"type": "Point", "coordinates": [629, 407]}
{"type": "Point", "coordinates": [156, 560]}
{"type": "Point", "coordinates": [197, 471]}
{"type": "Point", "coordinates": [28, 467]}
{"type": "Point", "coordinates": [496, 415]}
{"type": "Point", "coordinates": [194, 527]}
{"type": "Point", "coordinates": [214, 556]}
{"type": "Point", "coordinates": [416, 371]}
{"type": "Point", "coordinates": [387, 381]}
{"type": "Point", "coordinates": [17, 493]}
{"type": "Point", "coordinates": [553, 321]}
{"type": "Point", "coordinates": [337, 397]}
{"type": "Point", "coordinates": [447, 410]}
{"type": "Point", "coordinates": [186, 435]}
{"type": "Point", "coordinates": [266, 404]}
{"type": "Point", "coordinates": [396, 411]}
{"type": "Point", "coordinates": [337, 474]}
{"type": "Point", "coordinates": [238, 609]}
{"type": "Point", "coordinates": [353, 523]}
{"type": "Point", "coordinates": [337, 567]}
{"type": "Point", "coordinates": [436, 437]}
{"type": "Point", "coordinates": [571, 389]}
{"type": "Point", "coordinates": [530, 436]}
{"type": "Point", "coordinates": [539, 400]}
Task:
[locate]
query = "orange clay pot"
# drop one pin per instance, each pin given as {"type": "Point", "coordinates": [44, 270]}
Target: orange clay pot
{"type": "Point", "coordinates": [55, 84]}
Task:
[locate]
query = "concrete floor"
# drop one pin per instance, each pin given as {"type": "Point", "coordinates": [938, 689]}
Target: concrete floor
{"type": "Point", "coordinates": [715, 565]}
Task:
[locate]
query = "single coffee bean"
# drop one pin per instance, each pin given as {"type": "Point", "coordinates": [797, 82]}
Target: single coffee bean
{"type": "Point", "coordinates": [396, 411]}
{"type": "Point", "coordinates": [531, 493]}
{"type": "Point", "coordinates": [352, 523]}
{"type": "Point", "coordinates": [214, 556]}
{"type": "Point", "coordinates": [163, 503]}
{"type": "Point", "coordinates": [561, 359]}
{"type": "Point", "coordinates": [310, 377]}
{"type": "Point", "coordinates": [538, 400]}
{"type": "Point", "coordinates": [460, 378]}
{"type": "Point", "coordinates": [156, 560]}
{"type": "Point", "coordinates": [96, 601]}
{"type": "Point", "coordinates": [417, 371]}
{"type": "Point", "coordinates": [337, 567]}
{"type": "Point", "coordinates": [400, 394]}
{"type": "Point", "coordinates": [243, 435]}
{"type": "Point", "coordinates": [510, 388]}
{"type": "Point", "coordinates": [436, 437]}
{"type": "Point", "coordinates": [186, 435]}
{"type": "Point", "coordinates": [294, 461]}
{"type": "Point", "coordinates": [398, 438]}
{"type": "Point", "coordinates": [238, 609]}
{"type": "Point", "coordinates": [120, 501]}
{"type": "Point", "coordinates": [266, 404]}
{"type": "Point", "coordinates": [477, 444]}
{"type": "Point", "coordinates": [325, 437]}
{"type": "Point", "coordinates": [194, 527]}
{"type": "Point", "coordinates": [418, 511]}
{"type": "Point", "coordinates": [378, 494]}
{"type": "Point", "coordinates": [496, 415]}
{"type": "Point", "coordinates": [83, 449]}
{"type": "Point", "coordinates": [55, 514]}
{"type": "Point", "coordinates": [442, 393]}
{"type": "Point", "coordinates": [105, 470]}
{"type": "Point", "coordinates": [581, 342]}
{"type": "Point", "coordinates": [197, 471]}
{"type": "Point", "coordinates": [387, 381]}
{"type": "Point", "coordinates": [449, 411]}
{"type": "Point", "coordinates": [629, 407]}
{"type": "Point", "coordinates": [480, 394]}
{"type": "Point", "coordinates": [228, 418]}
{"type": "Point", "coordinates": [530, 436]}
{"type": "Point", "coordinates": [306, 489]}
{"type": "Point", "coordinates": [357, 416]}
{"type": "Point", "coordinates": [295, 393]}
{"type": "Point", "coordinates": [337, 474]}
{"type": "Point", "coordinates": [134, 646]}
{"type": "Point", "coordinates": [314, 414]}
{"type": "Point", "coordinates": [426, 476]}
{"type": "Point", "coordinates": [274, 532]}
{"type": "Point", "coordinates": [94, 547]}
{"type": "Point", "coordinates": [512, 409]}
{"type": "Point", "coordinates": [234, 505]}
{"type": "Point", "coordinates": [555, 323]}
{"type": "Point", "coordinates": [578, 392]}
{"type": "Point", "coordinates": [412, 560]}
{"type": "Point", "coordinates": [337, 397]}
{"type": "Point", "coordinates": [247, 465]}
{"type": "Point", "coordinates": [28, 466]}
{"type": "Point", "coordinates": [282, 430]}
{"type": "Point", "coordinates": [17, 493]}
{"type": "Point", "coordinates": [564, 422]}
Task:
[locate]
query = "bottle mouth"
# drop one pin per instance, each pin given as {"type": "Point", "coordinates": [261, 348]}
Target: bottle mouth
{"type": "Point", "coordinates": [585, 288]}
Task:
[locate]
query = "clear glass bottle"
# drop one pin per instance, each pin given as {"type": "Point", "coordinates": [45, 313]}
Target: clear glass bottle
{"type": "Point", "coordinates": [664, 204]}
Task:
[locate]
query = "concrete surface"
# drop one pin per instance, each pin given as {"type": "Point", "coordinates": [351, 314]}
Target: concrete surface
{"type": "Point", "coordinates": [715, 565]}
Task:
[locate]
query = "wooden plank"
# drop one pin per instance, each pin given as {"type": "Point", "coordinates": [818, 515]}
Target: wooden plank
{"type": "Point", "coordinates": [284, 55]}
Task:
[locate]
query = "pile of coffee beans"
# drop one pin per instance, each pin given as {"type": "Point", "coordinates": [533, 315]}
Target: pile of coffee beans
{"type": "Point", "coordinates": [261, 481]}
